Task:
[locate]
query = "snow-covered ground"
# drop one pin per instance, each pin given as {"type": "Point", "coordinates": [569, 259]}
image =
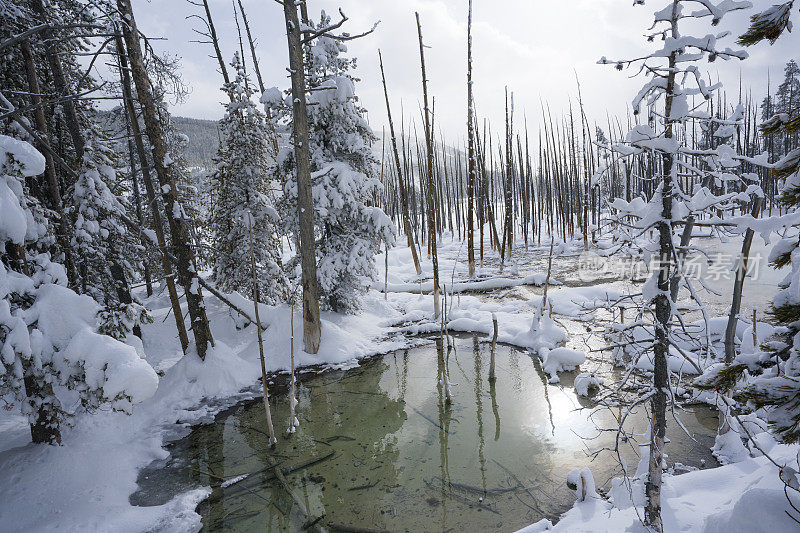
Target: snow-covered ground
{"type": "Point", "coordinates": [84, 484]}
{"type": "Point", "coordinates": [743, 497]}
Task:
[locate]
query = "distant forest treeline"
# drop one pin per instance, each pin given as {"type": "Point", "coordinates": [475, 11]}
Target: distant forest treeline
{"type": "Point", "coordinates": [203, 137]}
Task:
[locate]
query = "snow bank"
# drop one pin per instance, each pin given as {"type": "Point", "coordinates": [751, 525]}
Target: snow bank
{"type": "Point", "coordinates": [545, 334]}
{"type": "Point", "coordinates": [538, 279]}
{"type": "Point", "coordinates": [113, 367]}
{"type": "Point", "coordinates": [21, 153]}
{"type": "Point", "coordinates": [560, 360]}
{"type": "Point", "coordinates": [66, 322]}
{"type": "Point", "coordinates": [84, 484]}
{"type": "Point", "coordinates": [737, 498]}
{"type": "Point", "coordinates": [577, 302]}
{"type": "Point", "coordinates": [586, 381]}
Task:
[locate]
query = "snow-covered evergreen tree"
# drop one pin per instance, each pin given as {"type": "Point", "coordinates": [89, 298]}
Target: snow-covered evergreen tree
{"type": "Point", "coordinates": [100, 237]}
{"type": "Point", "coordinates": [349, 230]}
{"type": "Point", "coordinates": [245, 195]}
{"type": "Point", "coordinates": [109, 252]}
{"type": "Point", "coordinates": [777, 387]}
{"type": "Point", "coordinates": [51, 359]}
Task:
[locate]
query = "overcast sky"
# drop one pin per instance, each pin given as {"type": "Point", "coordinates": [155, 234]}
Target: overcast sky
{"type": "Point", "coordinates": [535, 47]}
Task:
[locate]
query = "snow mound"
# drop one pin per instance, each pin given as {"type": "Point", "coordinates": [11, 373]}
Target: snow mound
{"type": "Point", "coordinates": [29, 159]}
{"type": "Point", "coordinates": [545, 334]}
{"type": "Point", "coordinates": [222, 373]}
{"type": "Point", "coordinates": [577, 302]}
{"type": "Point", "coordinates": [583, 482]}
{"type": "Point", "coordinates": [560, 360]}
{"type": "Point", "coordinates": [113, 367]}
{"type": "Point", "coordinates": [755, 510]}
{"type": "Point", "coordinates": [586, 381]}
{"type": "Point", "coordinates": [729, 448]}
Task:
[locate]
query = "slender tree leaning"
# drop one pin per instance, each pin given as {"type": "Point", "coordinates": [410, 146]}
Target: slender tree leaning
{"type": "Point", "coordinates": [400, 180]}
{"type": "Point", "coordinates": [432, 229]}
{"type": "Point", "coordinates": [179, 230]}
{"type": "Point", "coordinates": [264, 387]}
{"type": "Point", "coordinates": [166, 265]}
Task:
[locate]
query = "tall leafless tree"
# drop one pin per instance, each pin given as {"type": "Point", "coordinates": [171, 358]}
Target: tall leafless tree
{"type": "Point", "coordinates": [470, 153]}
{"type": "Point", "coordinates": [179, 228]}
{"type": "Point", "coordinates": [400, 179]}
{"type": "Point", "coordinates": [158, 226]}
{"type": "Point", "coordinates": [429, 175]}
{"type": "Point", "coordinates": [312, 327]}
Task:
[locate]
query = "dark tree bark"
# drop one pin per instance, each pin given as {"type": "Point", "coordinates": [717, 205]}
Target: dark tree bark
{"type": "Point", "coordinates": [429, 170]}
{"type": "Point", "coordinates": [123, 289]}
{"type": "Point", "coordinates": [215, 42]}
{"type": "Point", "coordinates": [60, 82]}
{"type": "Point", "coordinates": [45, 430]}
{"type": "Point", "coordinates": [135, 184]}
{"type": "Point", "coordinates": [179, 229]}
{"type": "Point", "coordinates": [400, 180]}
{"type": "Point", "coordinates": [151, 196]}
{"type": "Point", "coordinates": [312, 327]}
{"type": "Point", "coordinates": [63, 227]}
{"type": "Point", "coordinates": [663, 312]}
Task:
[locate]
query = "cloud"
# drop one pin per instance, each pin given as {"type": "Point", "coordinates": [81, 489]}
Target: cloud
{"type": "Point", "coordinates": [535, 47]}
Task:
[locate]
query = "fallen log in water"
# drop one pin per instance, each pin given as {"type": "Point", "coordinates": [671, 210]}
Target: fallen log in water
{"type": "Point", "coordinates": [355, 529]}
{"type": "Point", "coordinates": [236, 480]}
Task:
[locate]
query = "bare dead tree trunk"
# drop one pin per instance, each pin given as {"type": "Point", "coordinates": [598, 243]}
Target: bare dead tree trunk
{"type": "Point", "coordinates": [63, 227]}
{"type": "Point", "coordinates": [134, 176]}
{"type": "Point", "coordinates": [508, 223]}
{"type": "Point", "coordinates": [270, 427]}
{"type": "Point", "coordinates": [293, 422]}
{"type": "Point", "coordinates": [586, 177]}
{"type": "Point", "coordinates": [270, 125]}
{"type": "Point", "coordinates": [400, 180]}
{"type": "Point", "coordinates": [738, 285]}
{"type": "Point", "coordinates": [470, 154]}
{"type": "Point", "coordinates": [212, 34]}
{"type": "Point", "coordinates": [312, 328]}
{"type": "Point", "coordinates": [127, 96]}
{"type": "Point", "coordinates": [429, 170]}
{"type": "Point", "coordinates": [663, 312]}
{"type": "Point", "coordinates": [60, 82]}
{"type": "Point", "coordinates": [686, 238]}
{"type": "Point", "coordinates": [179, 229]}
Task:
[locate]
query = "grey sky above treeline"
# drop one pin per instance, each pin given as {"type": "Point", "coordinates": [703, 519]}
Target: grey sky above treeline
{"type": "Point", "coordinates": [535, 47]}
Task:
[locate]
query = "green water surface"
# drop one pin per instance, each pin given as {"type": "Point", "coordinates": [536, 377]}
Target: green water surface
{"type": "Point", "coordinates": [398, 457]}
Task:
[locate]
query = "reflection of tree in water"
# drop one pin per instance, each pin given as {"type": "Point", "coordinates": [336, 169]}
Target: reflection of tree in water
{"type": "Point", "coordinates": [493, 395]}
{"type": "Point", "coordinates": [479, 408]}
{"type": "Point", "coordinates": [537, 364]}
{"type": "Point", "coordinates": [366, 414]}
{"type": "Point", "coordinates": [389, 473]}
{"type": "Point", "coordinates": [351, 415]}
{"type": "Point", "coordinates": [444, 426]}
{"type": "Point", "coordinates": [208, 468]}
